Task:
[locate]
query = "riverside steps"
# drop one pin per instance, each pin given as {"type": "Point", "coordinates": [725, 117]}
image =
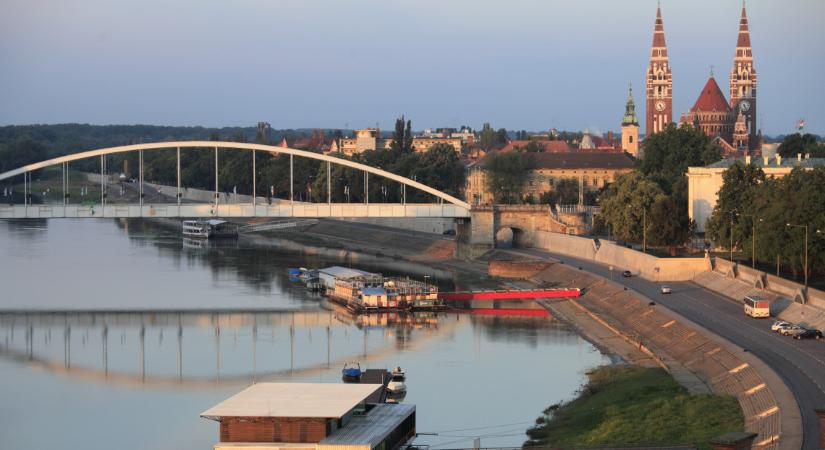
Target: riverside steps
{"type": "Point", "coordinates": [647, 334]}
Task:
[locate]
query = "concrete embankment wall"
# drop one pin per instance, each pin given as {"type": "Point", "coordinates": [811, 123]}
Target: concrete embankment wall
{"type": "Point", "coordinates": [769, 284]}
{"type": "Point", "coordinates": [679, 346]}
{"type": "Point", "coordinates": [647, 266]}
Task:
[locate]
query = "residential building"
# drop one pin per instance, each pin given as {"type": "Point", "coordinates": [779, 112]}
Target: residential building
{"type": "Point", "coordinates": [704, 183]}
{"type": "Point", "coordinates": [370, 139]}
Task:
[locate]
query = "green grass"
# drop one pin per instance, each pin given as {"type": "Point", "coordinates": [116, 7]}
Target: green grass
{"type": "Point", "coordinates": [624, 405]}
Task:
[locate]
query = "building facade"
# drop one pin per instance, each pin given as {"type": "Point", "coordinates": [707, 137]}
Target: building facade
{"type": "Point", "coordinates": [370, 139]}
{"type": "Point", "coordinates": [591, 170]}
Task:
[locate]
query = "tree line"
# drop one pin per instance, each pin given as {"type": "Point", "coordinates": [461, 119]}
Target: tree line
{"type": "Point", "coordinates": [753, 212]}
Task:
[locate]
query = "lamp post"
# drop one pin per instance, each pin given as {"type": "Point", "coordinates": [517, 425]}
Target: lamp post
{"type": "Point", "coordinates": [806, 250]}
{"type": "Point", "coordinates": [730, 214]}
{"type": "Point", "coordinates": [753, 237]}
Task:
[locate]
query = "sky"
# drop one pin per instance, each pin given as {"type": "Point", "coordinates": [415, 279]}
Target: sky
{"type": "Point", "coordinates": [518, 64]}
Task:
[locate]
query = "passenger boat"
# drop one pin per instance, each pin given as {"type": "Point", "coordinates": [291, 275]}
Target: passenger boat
{"type": "Point", "coordinates": [397, 383]}
{"type": "Point", "coordinates": [209, 229]}
{"type": "Point", "coordinates": [351, 373]}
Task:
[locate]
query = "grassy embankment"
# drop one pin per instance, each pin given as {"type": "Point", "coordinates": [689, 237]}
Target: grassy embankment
{"type": "Point", "coordinates": [623, 405]}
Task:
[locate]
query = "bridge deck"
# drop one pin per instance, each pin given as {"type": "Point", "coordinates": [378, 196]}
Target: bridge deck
{"type": "Point", "coordinates": [296, 209]}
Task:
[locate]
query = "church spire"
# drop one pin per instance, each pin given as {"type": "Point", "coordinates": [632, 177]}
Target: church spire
{"type": "Point", "coordinates": [659, 83]}
{"type": "Point", "coordinates": [743, 79]}
{"type": "Point", "coordinates": [744, 40]}
{"type": "Point", "coordinates": [630, 110]}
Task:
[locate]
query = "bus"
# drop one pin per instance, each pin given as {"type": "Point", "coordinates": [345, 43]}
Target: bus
{"type": "Point", "coordinates": [756, 306]}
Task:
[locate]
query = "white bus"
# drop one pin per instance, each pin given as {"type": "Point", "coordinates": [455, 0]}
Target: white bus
{"type": "Point", "coordinates": [756, 306]}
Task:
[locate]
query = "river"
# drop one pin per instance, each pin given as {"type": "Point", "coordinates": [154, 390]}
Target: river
{"type": "Point", "coordinates": [118, 334]}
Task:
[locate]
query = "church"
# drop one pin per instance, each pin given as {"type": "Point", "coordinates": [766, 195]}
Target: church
{"type": "Point", "coordinates": [731, 123]}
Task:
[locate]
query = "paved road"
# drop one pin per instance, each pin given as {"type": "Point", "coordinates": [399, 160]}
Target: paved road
{"type": "Point", "coordinates": [800, 364]}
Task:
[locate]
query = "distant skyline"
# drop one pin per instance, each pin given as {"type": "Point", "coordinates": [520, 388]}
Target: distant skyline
{"type": "Point", "coordinates": [519, 64]}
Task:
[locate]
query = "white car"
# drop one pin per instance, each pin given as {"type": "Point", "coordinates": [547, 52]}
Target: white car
{"type": "Point", "coordinates": [664, 290]}
{"type": "Point", "coordinates": [778, 325]}
{"type": "Point", "coordinates": [791, 330]}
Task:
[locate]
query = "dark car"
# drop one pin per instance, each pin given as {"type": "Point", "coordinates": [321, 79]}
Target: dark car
{"type": "Point", "coordinates": [627, 274]}
{"type": "Point", "coordinates": [450, 232]}
{"type": "Point", "coordinates": [809, 334]}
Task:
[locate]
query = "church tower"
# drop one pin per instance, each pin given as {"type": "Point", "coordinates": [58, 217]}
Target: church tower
{"type": "Point", "coordinates": [630, 127]}
{"type": "Point", "coordinates": [743, 81]}
{"type": "Point", "coordinates": [659, 107]}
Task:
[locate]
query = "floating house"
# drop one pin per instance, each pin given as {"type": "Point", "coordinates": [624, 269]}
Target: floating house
{"type": "Point", "coordinates": [319, 416]}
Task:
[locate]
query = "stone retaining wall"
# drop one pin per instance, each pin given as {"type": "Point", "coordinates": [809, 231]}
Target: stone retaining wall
{"type": "Point", "coordinates": [647, 266]}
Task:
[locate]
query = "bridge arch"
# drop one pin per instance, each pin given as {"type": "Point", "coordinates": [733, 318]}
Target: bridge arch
{"type": "Point", "coordinates": [459, 208]}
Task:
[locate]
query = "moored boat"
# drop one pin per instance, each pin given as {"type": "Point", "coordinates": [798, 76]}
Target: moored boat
{"type": "Point", "coordinates": [351, 373]}
{"type": "Point", "coordinates": [209, 229]}
{"type": "Point", "coordinates": [397, 383]}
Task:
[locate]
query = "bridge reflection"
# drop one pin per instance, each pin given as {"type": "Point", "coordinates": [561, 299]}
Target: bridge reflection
{"type": "Point", "coordinates": [206, 348]}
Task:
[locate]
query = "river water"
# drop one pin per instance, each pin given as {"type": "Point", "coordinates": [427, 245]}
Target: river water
{"type": "Point", "coordinates": [117, 334]}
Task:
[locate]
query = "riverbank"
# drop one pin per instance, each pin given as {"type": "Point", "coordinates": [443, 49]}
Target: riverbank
{"type": "Point", "coordinates": [631, 405]}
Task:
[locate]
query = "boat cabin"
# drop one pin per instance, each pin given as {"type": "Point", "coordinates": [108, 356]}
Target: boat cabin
{"type": "Point", "coordinates": [319, 416]}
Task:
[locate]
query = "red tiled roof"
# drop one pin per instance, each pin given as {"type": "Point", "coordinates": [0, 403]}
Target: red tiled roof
{"type": "Point", "coordinates": [711, 98]}
{"type": "Point", "coordinates": [548, 146]}
{"type": "Point", "coordinates": [589, 160]}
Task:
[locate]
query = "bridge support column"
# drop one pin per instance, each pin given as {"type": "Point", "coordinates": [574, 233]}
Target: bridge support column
{"type": "Point", "coordinates": [254, 184]}
{"type": "Point", "coordinates": [291, 191]}
{"type": "Point", "coordinates": [217, 192]}
{"type": "Point", "coordinates": [178, 176]}
{"type": "Point", "coordinates": [140, 178]}
{"type": "Point", "coordinates": [329, 184]}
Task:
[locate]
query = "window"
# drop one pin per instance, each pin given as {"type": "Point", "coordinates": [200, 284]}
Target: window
{"type": "Point", "coordinates": [630, 139]}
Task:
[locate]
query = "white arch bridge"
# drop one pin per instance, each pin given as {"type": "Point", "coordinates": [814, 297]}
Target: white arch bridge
{"type": "Point", "coordinates": [447, 206]}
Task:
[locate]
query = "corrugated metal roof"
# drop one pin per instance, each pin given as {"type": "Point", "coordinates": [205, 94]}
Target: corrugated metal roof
{"type": "Point", "coordinates": [371, 428]}
{"type": "Point", "coordinates": [327, 400]}
{"type": "Point", "coordinates": [343, 272]}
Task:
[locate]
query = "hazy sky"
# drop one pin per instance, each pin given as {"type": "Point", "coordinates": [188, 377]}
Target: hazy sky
{"type": "Point", "coordinates": [519, 64]}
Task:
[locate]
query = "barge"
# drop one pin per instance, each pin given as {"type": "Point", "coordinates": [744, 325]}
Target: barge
{"type": "Point", "coordinates": [209, 229]}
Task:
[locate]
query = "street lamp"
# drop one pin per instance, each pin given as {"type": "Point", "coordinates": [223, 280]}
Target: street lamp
{"type": "Point", "coordinates": [806, 250]}
{"type": "Point", "coordinates": [753, 237]}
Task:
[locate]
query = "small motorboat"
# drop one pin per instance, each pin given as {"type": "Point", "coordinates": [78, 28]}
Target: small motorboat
{"type": "Point", "coordinates": [397, 383]}
{"type": "Point", "coordinates": [351, 373]}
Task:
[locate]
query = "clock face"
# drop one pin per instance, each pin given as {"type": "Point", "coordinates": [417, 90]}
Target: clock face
{"type": "Point", "coordinates": [744, 105]}
{"type": "Point", "coordinates": [660, 106]}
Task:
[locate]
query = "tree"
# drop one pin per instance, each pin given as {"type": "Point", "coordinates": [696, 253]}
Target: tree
{"type": "Point", "coordinates": [567, 191]}
{"type": "Point", "coordinates": [797, 143]}
{"type": "Point", "coordinates": [736, 196]}
{"type": "Point", "coordinates": [668, 154]}
{"type": "Point", "coordinates": [501, 136]}
{"type": "Point", "coordinates": [408, 138]}
{"type": "Point", "coordinates": [506, 175]}
{"type": "Point", "coordinates": [399, 136]}
{"type": "Point", "coordinates": [624, 202]}
{"type": "Point", "coordinates": [487, 137]}
{"type": "Point", "coordinates": [671, 225]}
